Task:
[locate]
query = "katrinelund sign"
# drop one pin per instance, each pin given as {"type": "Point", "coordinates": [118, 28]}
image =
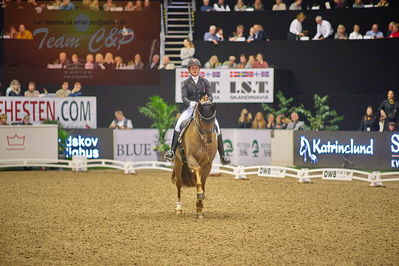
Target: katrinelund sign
{"type": "Point", "coordinates": [72, 112]}
{"type": "Point", "coordinates": [252, 85]}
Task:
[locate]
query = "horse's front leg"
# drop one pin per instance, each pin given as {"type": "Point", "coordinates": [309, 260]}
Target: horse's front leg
{"type": "Point", "coordinates": [198, 175]}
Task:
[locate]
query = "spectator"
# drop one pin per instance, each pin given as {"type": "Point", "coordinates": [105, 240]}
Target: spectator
{"type": "Point", "coordinates": [95, 5]}
{"type": "Point", "coordinates": [12, 33]}
{"type": "Point", "coordinates": [240, 6]}
{"type": "Point", "coordinates": [238, 35]}
{"type": "Point", "coordinates": [260, 63]}
{"type": "Point", "coordinates": [213, 62]}
{"type": "Point", "coordinates": [245, 119]}
{"type": "Point", "coordinates": [120, 121]}
{"type": "Point", "coordinates": [296, 32]}
{"type": "Point", "coordinates": [99, 62]}
{"type": "Point", "coordinates": [221, 6]}
{"type": "Point", "coordinates": [15, 87]}
{"type": "Point", "coordinates": [231, 63]}
{"type": "Point", "coordinates": [137, 63]}
{"type": "Point", "coordinates": [297, 5]}
{"type": "Point", "coordinates": [251, 36]}
{"type": "Point", "coordinates": [77, 90]}
{"type": "Point", "coordinates": [258, 5]}
{"type": "Point", "coordinates": [295, 123]}
{"type": "Point", "coordinates": [395, 31]}
{"type": "Point", "coordinates": [3, 120]}
{"type": "Point", "coordinates": [206, 7]}
{"type": "Point", "coordinates": [26, 121]}
{"type": "Point", "coordinates": [166, 64]}
{"type": "Point", "coordinates": [324, 29]}
{"type": "Point", "coordinates": [390, 28]}
{"type": "Point", "coordinates": [358, 4]}
{"type": "Point", "coordinates": [138, 6]}
{"type": "Point", "coordinates": [147, 6]}
{"type": "Point", "coordinates": [24, 34]}
{"type": "Point", "coordinates": [340, 3]}
{"type": "Point", "coordinates": [369, 121]}
{"type": "Point", "coordinates": [341, 34]}
{"type": "Point", "coordinates": [251, 61]}
{"type": "Point", "coordinates": [56, 5]}
{"type": "Point", "coordinates": [32, 92]}
{"type": "Point", "coordinates": [279, 6]}
{"type": "Point", "coordinates": [211, 35]}
{"type": "Point", "coordinates": [109, 61]}
{"type": "Point", "coordinates": [64, 91]}
{"type": "Point", "coordinates": [86, 4]}
{"type": "Point", "coordinates": [355, 35]}
{"type": "Point", "coordinates": [75, 63]}
{"type": "Point", "coordinates": [259, 121]}
{"type": "Point", "coordinates": [187, 52]}
{"type": "Point", "coordinates": [279, 122]}
{"type": "Point", "coordinates": [62, 60]}
{"type": "Point", "coordinates": [383, 3]}
{"type": "Point", "coordinates": [271, 124]}
{"type": "Point", "coordinates": [154, 62]}
{"type": "Point", "coordinates": [118, 62]}
{"type": "Point", "coordinates": [109, 5]}
{"type": "Point", "coordinates": [89, 61]}
{"type": "Point", "coordinates": [219, 35]}
{"type": "Point", "coordinates": [129, 6]}
{"type": "Point", "coordinates": [392, 126]}
{"type": "Point", "coordinates": [260, 34]}
{"type": "Point", "coordinates": [243, 61]}
{"type": "Point", "coordinates": [67, 5]}
{"type": "Point", "coordinates": [374, 33]}
{"type": "Point", "coordinates": [388, 110]}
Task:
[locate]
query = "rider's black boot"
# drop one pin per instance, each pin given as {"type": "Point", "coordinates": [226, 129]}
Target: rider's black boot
{"type": "Point", "coordinates": [170, 154]}
{"type": "Point", "coordinates": [224, 159]}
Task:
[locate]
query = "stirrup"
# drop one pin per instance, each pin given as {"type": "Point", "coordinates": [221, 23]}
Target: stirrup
{"type": "Point", "coordinates": [224, 159]}
{"type": "Point", "coordinates": [169, 155]}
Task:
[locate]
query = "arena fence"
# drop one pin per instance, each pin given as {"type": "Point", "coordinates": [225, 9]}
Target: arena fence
{"type": "Point", "coordinates": [304, 175]}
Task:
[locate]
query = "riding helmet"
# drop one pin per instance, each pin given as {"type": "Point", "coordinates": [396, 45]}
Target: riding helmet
{"type": "Point", "coordinates": [193, 62]}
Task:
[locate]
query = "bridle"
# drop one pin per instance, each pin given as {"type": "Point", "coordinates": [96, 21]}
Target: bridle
{"type": "Point", "coordinates": [201, 132]}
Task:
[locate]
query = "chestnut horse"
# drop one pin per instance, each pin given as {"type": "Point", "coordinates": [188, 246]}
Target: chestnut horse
{"type": "Point", "coordinates": [200, 146]}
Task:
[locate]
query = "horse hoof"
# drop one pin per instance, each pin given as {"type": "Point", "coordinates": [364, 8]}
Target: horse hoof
{"type": "Point", "coordinates": [179, 212]}
{"type": "Point", "coordinates": [200, 196]}
{"type": "Point", "coordinates": [200, 216]}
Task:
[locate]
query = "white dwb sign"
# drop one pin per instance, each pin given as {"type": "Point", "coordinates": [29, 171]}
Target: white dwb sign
{"type": "Point", "coordinates": [29, 142]}
{"type": "Point", "coordinates": [252, 85]}
{"type": "Point", "coordinates": [72, 112]}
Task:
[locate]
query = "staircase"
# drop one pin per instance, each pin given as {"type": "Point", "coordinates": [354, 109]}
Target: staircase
{"type": "Point", "coordinates": [178, 25]}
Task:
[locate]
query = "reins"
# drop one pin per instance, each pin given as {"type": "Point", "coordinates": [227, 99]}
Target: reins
{"type": "Point", "coordinates": [198, 128]}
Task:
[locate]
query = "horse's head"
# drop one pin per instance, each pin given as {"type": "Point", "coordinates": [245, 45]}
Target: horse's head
{"type": "Point", "coordinates": [206, 110]}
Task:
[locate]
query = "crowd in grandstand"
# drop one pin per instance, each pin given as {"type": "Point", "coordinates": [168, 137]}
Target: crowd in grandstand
{"type": "Point", "coordinates": [251, 61]}
{"type": "Point", "coordinates": [15, 90]}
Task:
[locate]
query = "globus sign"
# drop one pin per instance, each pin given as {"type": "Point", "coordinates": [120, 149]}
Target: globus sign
{"type": "Point", "coordinates": [72, 112]}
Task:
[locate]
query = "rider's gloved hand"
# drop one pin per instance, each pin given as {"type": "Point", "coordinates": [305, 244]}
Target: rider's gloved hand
{"type": "Point", "coordinates": [193, 104]}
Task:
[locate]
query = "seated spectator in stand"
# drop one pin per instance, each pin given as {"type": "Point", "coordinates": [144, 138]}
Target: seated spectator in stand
{"type": "Point", "coordinates": [390, 28]}
{"type": "Point", "coordinates": [245, 119]}
{"type": "Point", "coordinates": [240, 6]}
{"type": "Point", "coordinates": [279, 122]}
{"type": "Point", "coordinates": [138, 6]}
{"type": "Point", "coordinates": [147, 6]}
{"type": "Point", "coordinates": [251, 36]}
{"type": "Point", "coordinates": [221, 6]}
{"type": "Point", "coordinates": [211, 35]}
{"type": "Point", "coordinates": [118, 62]}
{"type": "Point", "coordinates": [279, 6]}
{"type": "Point", "coordinates": [109, 61]}
{"type": "Point", "coordinates": [296, 32]}
{"type": "Point", "coordinates": [213, 62]}
{"type": "Point", "coordinates": [260, 34]}
{"type": "Point", "coordinates": [260, 63]}
{"type": "Point", "coordinates": [358, 4]}
{"type": "Point", "coordinates": [99, 64]}
{"type": "Point", "coordinates": [219, 35]}
{"type": "Point", "coordinates": [231, 63]}
{"type": "Point", "coordinates": [243, 61]}
{"type": "Point", "coordinates": [75, 63]}
{"type": "Point", "coordinates": [369, 121]}
{"type": "Point", "coordinates": [89, 61]}
{"type": "Point", "coordinates": [340, 3]}
{"type": "Point", "coordinates": [24, 34]}
{"type": "Point", "coordinates": [238, 35]}
{"type": "Point", "coordinates": [154, 62]}
{"type": "Point", "coordinates": [259, 121]}
{"type": "Point", "coordinates": [67, 5]}
{"type": "Point", "coordinates": [3, 120]}
{"type": "Point", "coordinates": [297, 5]}
{"type": "Point", "coordinates": [137, 63]}
{"type": "Point", "coordinates": [64, 91]}
{"type": "Point", "coordinates": [383, 3]}
{"type": "Point", "coordinates": [271, 124]}
{"type": "Point", "coordinates": [56, 5]}
{"type": "Point", "coordinates": [86, 4]}
{"type": "Point", "coordinates": [374, 33]}
{"type": "Point", "coordinates": [295, 123]}
{"type": "Point", "coordinates": [395, 31]}
{"type": "Point", "coordinates": [77, 90]}
{"type": "Point", "coordinates": [166, 64]}
{"type": "Point", "coordinates": [187, 52]}
{"type": "Point", "coordinates": [392, 126]}
{"type": "Point", "coordinates": [206, 7]}
{"type": "Point", "coordinates": [15, 91]}
{"type": "Point", "coordinates": [12, 33]}
{"type": "Point", "coordinates": [108, 5]}
{"type": "Point", "coordinates": [95, 5]}
{"type": "Point", "coordinates": [258, 5]}
{"type": "Point", "coordinates": [355, 35]}
{"type": "Point", "coordinates": [324, 29]}
{"type": "Point", "coordinates": [120, 121]}
{"type": "Point", "coordinates": [14, 86]}
{"type": "Point", "coordinates": [62, 60]}
{"type": "Point", "coordinates": [32, 92]}
{"type": "Point", "coordinates": [25, 121]}
{"type": "Point", "coordinates": [251, 61]}
{"type": "Point", "coordinates": [129, 6]}
{"type": "Point", "coordinates": [341, 34]}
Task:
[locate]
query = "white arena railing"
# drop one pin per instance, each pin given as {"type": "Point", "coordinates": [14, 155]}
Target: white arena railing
{"type": "Point", "coordinates": [79, 163]}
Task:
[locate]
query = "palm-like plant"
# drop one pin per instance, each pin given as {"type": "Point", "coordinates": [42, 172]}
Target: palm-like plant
{"type": "Point", "coordinates": [284, 105]}
{"type": "Point", "coordinates": [163, 116]}
{"type": "Point", "coordinates": [63, 135]}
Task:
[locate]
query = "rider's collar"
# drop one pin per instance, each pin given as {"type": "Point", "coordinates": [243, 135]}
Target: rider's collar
{"type": "Point", "coordinates": [195, 78]}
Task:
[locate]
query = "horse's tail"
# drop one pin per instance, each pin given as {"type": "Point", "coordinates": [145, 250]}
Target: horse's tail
{"type": "Point", "coordinates": [173, 177]}
{"type": "Point", "coordinates": [187, 177]}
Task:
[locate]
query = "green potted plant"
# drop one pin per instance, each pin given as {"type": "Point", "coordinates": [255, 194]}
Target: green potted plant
{"type": "Point", "coordinates": [63, 136]}
{"type": "Point", "coordinates": [163, 116]}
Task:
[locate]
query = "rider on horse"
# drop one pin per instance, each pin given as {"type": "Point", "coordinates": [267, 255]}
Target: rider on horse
{"type": "Point", "coordinates": [193, 89]}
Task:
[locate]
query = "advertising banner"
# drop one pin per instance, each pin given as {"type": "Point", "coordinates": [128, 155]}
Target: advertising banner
{"type": "Point", "coordinates": [29, 142]}
{"type": "Point", "coordinates": [347, 149]}
{"type": "Point", "coordinates": [92, 143]}
{"type": "Point", "coordinates": [252, 85]}
{"type": "Point", "coordinates": [72, 112]}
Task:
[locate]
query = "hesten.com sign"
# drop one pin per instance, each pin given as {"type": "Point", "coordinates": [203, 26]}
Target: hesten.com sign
{"type": "Point", "coordinates": [349, 149]}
